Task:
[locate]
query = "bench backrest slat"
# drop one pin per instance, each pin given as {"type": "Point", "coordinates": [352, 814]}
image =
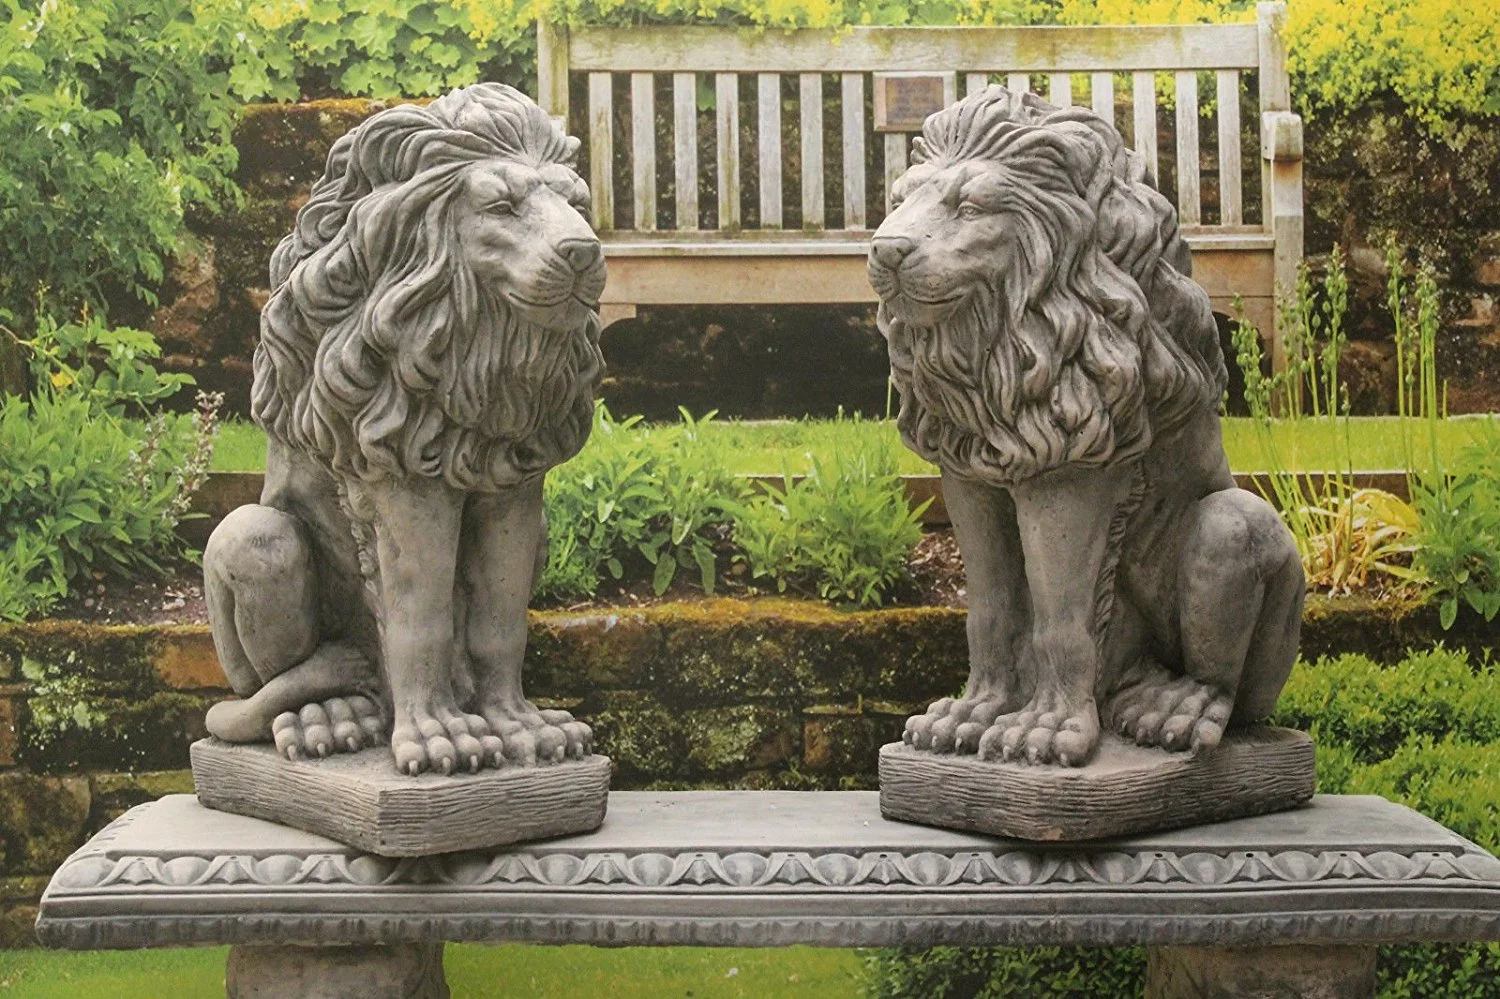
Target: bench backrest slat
{"type": "Point", "coordinates": [1143, 96]}
{"type": "Point", "coordinates": [1102, 95]}
{"type": "Point", "coordinates": [852, 98]}
{"type": "Point", "coordinates": [643, 149]}
{"type": "Point", "coordinates": [1189, 194]}
{"type": "Point", "coordinates": [685, 147]}
{"type": "Point", "coordinates": [768, 127]}
{"type": "Point", "coordinates": [1231, 199]}
{"type": "Point", "coordinates": [727, 120]}
{"type": "Point", "coordinates": [602, 149]}
{"type": "Point", "coordinates": [810, 101]}
{"type": "Point", "coordinates": [648, 49]}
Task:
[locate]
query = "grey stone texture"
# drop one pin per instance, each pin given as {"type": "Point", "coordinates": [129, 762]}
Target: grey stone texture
{"type": "Point", "coordinates": [1125, 789]}
{"type": "Point", "coordinates": [416, 380]}
{"type": "Point", "coordinates": [389, 971]}
{"type": "Point", "coordinates": [356, 798]}
{"type": "Point", "coordinates": [736, 868]}
{"type": "Point", "coordinates": [1282, 972]}
{"type": "Point", "coordinates": [1057, 362]}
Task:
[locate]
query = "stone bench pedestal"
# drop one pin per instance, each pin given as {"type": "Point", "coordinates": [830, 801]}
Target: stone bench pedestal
{"type": "Point", "coordinates": [1285, 904]}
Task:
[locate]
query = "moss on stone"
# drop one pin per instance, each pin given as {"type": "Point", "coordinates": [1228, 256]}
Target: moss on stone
{"type": "Point", "coordinates": [745, 736]}
{"type": "Point", "coordinates": [42, 820]}
{"type": "Point", "coordinates": [116, 793]}
{"type": "Point", "coordinates": [577, 653]}
{"type": "Point", "coordinates": [106, 732]}
{"type": "Point", "coordinates": [640, 735]}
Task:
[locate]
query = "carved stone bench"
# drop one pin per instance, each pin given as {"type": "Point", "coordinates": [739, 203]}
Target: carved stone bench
{"type": "Point", "coordinates": [1295, 901]}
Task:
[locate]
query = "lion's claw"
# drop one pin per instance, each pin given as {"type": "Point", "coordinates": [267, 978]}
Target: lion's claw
{"type": "Point", "coordinates": [1173, 712]}
{"type": "Point", "coordinates": [337, 725]}
{"type": "Point", "coordinates": [1045, 732]}
{"type": "Point", "coordinates": [532, 736]}
{"type": "Point", "coordinates": [953, 724]}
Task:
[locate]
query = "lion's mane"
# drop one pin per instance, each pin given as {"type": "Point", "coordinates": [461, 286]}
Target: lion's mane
{"type": "Point", "coordinates": [380, 352]}
{"type": "Point", "coordinates": [1098, 340]}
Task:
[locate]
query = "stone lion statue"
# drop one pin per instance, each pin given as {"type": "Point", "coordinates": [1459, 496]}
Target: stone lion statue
{"type": "Point", "coordinates": [429, 351]}
{"type": "Point", "coordinates": [1058, 363]}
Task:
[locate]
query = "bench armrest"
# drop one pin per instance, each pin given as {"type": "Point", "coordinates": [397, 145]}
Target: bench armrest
{"type": "Point", "coordinates": [1281, 136]}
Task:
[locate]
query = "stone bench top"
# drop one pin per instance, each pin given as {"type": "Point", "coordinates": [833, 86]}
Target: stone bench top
{"type": "Point", "coordinates": [746, 868]}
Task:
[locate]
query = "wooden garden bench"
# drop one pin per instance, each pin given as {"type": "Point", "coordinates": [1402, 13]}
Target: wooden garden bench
{"type": "Point", "coordinates": [773, 233]}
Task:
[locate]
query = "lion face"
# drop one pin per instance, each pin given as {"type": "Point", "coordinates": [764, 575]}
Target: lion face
{"type": "Point", "coordinates": [524, 231]}
{"type": "Point", "coordinates": [948, 237]}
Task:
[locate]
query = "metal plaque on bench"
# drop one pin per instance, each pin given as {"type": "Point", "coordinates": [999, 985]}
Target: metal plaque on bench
{"type": "Point", "coordinates": [904, 100]}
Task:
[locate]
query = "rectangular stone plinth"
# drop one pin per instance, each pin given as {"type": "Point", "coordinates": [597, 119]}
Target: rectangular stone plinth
{"type": "Point", "coordinates": [747, 868]}
{"type": "Point", "coordinates": [1125, 789]}
{"type": "Point", "coordinates": [360, 799]}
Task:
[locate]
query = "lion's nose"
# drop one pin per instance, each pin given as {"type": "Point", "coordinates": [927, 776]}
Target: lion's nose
{"type": "Point", "coordinates": [889, 251]}
{"type": "Point", "coordinates": [581, 254]}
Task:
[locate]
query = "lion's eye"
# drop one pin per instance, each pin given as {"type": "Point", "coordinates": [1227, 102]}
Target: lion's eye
{"type": "Point", "coordinates": [501, 207]}
{"type": "Point", "coordinates": [968, 211]}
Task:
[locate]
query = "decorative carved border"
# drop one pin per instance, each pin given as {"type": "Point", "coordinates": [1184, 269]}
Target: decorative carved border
{"type": "Point", "coordinates": [796, 870]}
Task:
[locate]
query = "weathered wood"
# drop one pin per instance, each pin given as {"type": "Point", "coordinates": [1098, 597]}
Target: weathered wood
{"type": "Point", "coordinates": [1102, 95]}
{"type": "Point", "coordinates": [1280, 182]}
{"type": "Point", "coordinates": [649, 48]}
{"type": "Point", "coordinates": [1284, 213]}
{"type": "Point", "coordinates": [895, 162]}
{"type": "Point", "coordinates": [1143, 100]}
{"type": "Point", "coordinates": [810, 103]}
{"type": "Point", "coordinates": [1125, 789]}
{"type": "Point", "coordinates": [360, 799]}
{"type": "Point", "coordinates": [1060, 89]}
{"type": "Point", "coordinates": [1231, 185]}
{"type": "Point", "coordinates": [1019, 83]}
{"type": "Point", "coordinates": [852, 107]}
{"type": "Point", "coordinates": [1270, 58]}
{"type": "Point", "coordinates": [643, 149]}
{"type": "Point", "coordinates": [727, 110]}
{"type": "Point", "coordinates": [1189, 189]}
{"type": "Point", "coordinates": [768, 127]}
{"type": "Point", "coordinates": [685, 147]}
{"type": "Point", "coordinates": [602, 149]}
{"type": "Point", "coordinates": [975, 82]}
{"type": "Point", "coordinates": [552, 68]}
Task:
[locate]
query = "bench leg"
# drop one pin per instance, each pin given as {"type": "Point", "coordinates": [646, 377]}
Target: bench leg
{"type": "Point", "coordinates": [1285, 972]}
{"type": "Point", "coordinates": [393, 971]}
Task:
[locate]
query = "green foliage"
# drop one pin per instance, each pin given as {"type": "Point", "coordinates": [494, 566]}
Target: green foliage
{"type": "Point", "coordinates": [382, 48]}
{"type": "Point", "coordinates": [1351, 703]}
{"type": "Point", "coordinates": [664, 497]}
{"type": "Point", "coordinates": [1458, 546]}
{"type": "Point", "coordinates": [995, 972]}
{"type": "Point", "coordinates": [845, 528]}
{"type": "Point", "coordinates": [83, 489]}
{"type": "Point", "coordinates": [115, 118]}
{"type": "Point", "coordinates": [652, 502]}
{"type": "Point", "coordinates": [1424, 732]}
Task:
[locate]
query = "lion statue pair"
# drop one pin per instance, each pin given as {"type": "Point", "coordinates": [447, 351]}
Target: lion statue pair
{"type": "Point", "coordinates": [431, 349]}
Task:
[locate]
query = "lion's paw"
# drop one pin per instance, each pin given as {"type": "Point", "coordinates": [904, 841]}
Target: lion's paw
{"type": "Point", "coordinates": [1170, 711]}
{"type": "Point", "coordinates": [337, 725]}
{"type": "Point", "coordinates": [443, 740]}
{"type": "Point", "coordinates": [954, 724]}
{"type": "Point", "coordinates": [535, 735]}
{"type": "Point", "coordinates": [1048, 730]}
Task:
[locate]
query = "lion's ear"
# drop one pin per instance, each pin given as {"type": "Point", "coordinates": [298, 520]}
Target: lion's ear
{"type": "Point", "coordinates": [571, 145]}
{"type": "Point", "coordinates": [921, 152]}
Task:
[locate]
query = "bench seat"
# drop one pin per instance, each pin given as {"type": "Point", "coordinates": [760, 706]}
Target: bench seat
{"type": "Point", "coordinates": [747, 868]}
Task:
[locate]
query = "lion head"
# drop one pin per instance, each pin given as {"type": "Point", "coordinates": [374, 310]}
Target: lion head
{"type": "Point", "coordinates": [434, 310]}
{"type": "Point", "coordinates": [1036, 295]}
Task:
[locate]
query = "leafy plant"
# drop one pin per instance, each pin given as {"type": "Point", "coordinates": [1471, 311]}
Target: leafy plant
{"type": "Point", "coordinates": [1458, 544]}
{"type": "Point", "coordinates": [699, 496]}
{"type": "Point", "coordinates": [845, 528]}
{"type": "Point", "coordinates": [109, 366]}
{"type": "Point", "coordinates": [1349, 537]}
{"type": "Point", "coordinates": [115, 118]}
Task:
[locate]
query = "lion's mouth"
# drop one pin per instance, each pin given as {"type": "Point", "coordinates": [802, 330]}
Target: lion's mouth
{"type": "Point", "coordinates": [935, 302]}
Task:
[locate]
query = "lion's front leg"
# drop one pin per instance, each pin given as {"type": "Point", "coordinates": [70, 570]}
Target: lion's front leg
{"type": "Point", "coordinates": [502, 533]}
{"type": "Point", "coordinates": [417, 523]}
{"type": "Point", "coordinates": [999, 621]}
{"type": "Point", "coordinates": [1064, 519]}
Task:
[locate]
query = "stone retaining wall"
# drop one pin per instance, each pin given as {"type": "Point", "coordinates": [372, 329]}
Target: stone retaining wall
{"type": "Point", "coordinates": [721, 693]}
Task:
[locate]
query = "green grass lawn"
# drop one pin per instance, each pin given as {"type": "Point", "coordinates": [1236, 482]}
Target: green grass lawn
{"type": "Point", "coordinates": [474, 970]}
{"type": "Point", "coordinates": [768, 447]}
